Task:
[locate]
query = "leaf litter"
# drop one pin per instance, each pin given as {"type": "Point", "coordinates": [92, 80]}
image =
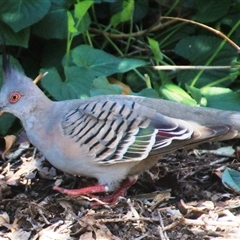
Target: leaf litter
{"type": "Point", "coordinates": [182, 197]}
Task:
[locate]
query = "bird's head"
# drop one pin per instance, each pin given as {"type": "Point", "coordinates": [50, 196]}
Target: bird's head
{"type": "Point", "coordinates": [18, 95]}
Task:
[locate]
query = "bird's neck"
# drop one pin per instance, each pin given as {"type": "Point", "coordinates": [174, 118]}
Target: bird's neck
{"type": "Point", "coordinates": [37, 111]}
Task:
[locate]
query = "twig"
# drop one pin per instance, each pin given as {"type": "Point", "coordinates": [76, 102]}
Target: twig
{"type": "Point", "coordinates": [153, 28]}
{"type": "Point", "coordinates": [173, 224]}
{"type": "Point", "coordinates": [172, 67]}
{"type": "Point", "coordinates": [116, 220]}
{"type": "Point", "coordinates": [220, 160]}
{"type": "Point", "coordinates": [209, 222]}
{"type": "Point", "coordinates": [206, 27]}
{"type": "Point", "coordinates": [39, 77]}
{"type": "Point", "coordinates": [162, 233]}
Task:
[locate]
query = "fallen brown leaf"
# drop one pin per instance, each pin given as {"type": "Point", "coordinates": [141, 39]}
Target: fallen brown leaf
{"type": "Point", "coordinates": [126, 90]}
{"type": "Point", "coordinates": [6, 144]}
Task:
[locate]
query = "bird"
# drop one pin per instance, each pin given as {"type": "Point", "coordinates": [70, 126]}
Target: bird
{"type": "Point", "coordinates": [112, 138]}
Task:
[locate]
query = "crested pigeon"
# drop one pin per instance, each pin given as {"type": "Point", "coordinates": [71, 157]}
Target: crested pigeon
{"type": "Point", "coordinates": [111, 138]}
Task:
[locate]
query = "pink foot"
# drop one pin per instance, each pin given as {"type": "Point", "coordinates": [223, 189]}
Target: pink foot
{"type": "Point", "coordinates": [111, 199]}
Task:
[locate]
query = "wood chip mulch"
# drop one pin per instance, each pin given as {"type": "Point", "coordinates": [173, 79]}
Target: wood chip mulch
{"type": "Point", "coordinates": [180, 198]}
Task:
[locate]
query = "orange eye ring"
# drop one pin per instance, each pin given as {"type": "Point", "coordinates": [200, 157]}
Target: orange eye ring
{"type": "Point", "coordinates": [14, 97]}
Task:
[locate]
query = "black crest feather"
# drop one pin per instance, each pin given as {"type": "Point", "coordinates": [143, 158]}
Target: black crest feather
{"type": "Point", "coordinates": [5, 59]}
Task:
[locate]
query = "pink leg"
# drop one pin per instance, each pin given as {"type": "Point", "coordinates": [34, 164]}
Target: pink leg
{"type": "Point", "coordinates": [112, 199]}
{"type": "Point", "coordinates": [82, 191]}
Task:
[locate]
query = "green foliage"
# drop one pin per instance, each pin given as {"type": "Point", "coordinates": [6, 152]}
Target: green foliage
{"type": "Point", "coordinates": [125, 10]}
{"type": "Point", "coordinates": [85, 64]}
{"type": "Point", "coordinates": [231, 179]}
{"type": "Point", "coordinates": [6, 122]}
{"type": "Point", "coordinates": [81, 43]}
{"type": "Point", "coordinates": [54, 24]}
{"type": "Point", "coordinates": [222, 98]}
{"type": "Point", "coordinates": [154, 45]}
{"type": "Point", "coordinates": [205, 9]}
{"type": "Point", "coordinates": [125, 14]}
{"type": "Point", "coordinates": [208, 54]}
{"type": "Point", "coordinates": [22, 14]}
{"type": "Point", "coordinates": [175, 93]}
{"type": "Point", "coordinates": [101, 86]}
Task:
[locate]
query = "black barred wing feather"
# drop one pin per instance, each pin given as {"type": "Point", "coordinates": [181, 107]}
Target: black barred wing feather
{"type": "Point", "coordinates": [122, 131]}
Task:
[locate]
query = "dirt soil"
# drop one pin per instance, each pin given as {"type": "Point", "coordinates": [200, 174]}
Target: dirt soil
{"type": "Point", "coordinates": [182, 197]}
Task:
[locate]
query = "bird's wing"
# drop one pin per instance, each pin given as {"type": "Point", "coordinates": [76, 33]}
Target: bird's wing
{"type": "Point", "coordinates": [120, 131]}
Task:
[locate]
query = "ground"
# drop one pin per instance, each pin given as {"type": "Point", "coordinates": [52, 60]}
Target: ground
{"type": "Point", "coordinates": [180, 198]}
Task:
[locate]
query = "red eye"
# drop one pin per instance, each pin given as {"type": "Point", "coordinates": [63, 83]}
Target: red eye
{"type": "Point", "coordinates": [14, 97]}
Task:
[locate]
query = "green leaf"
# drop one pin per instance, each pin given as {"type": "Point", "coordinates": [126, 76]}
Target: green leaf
{"type": "Point", "coordinates": [80, 80]}
{"type": "Point", "coordinates": [53, 83]}
{"type": "Point", "coordinates": [71, 23]}
{"type": "Point", "coordinates": [210, 11]}
{"type": "Point", "coordinates": [20, 38]}
{"type": "Point", "coordinates": [221, 98]}
{"type": "Point", "coordinates": [101, 63]}
{"type": "Point", "coordinates": [56, 21]}
{"type": "Point", "coordinates": [82, 19]}
{"type": "Point", "coordinates": [101, 86]}
{"type": "Point", "coordinates": [197, 95]}
{"type": "Point", "coordinates": [174, 93]}
{"type": "Point", "coordinates": [141, 8]}
{"type": "Point", "coordinates": [231, 21]}
{"type": "Point", "coordinates": [231, 179]}
{"type": "Point", "coordinates": [19, 14]}
{"type": "Point", "coordinates": [198, 50]}
{"type": "Point", "coordinates": [72, 87]}
{"type": "Point", "coordinates": [135, 82]}
{"type": "Point", "coordinates": [125, 15]}
{"type": "Point", "coordinates": [81, 8]}
{"type": "Point", "coordinates": [154, 45]}
{"type": "Point", "coordinates": [102, 1]}
{"type": "Point", "coordinates": [147, 92]}
{"type": "Point", "coordinates": [6, 122]}
{"type": "Point", "coordinates": [87, 64]}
